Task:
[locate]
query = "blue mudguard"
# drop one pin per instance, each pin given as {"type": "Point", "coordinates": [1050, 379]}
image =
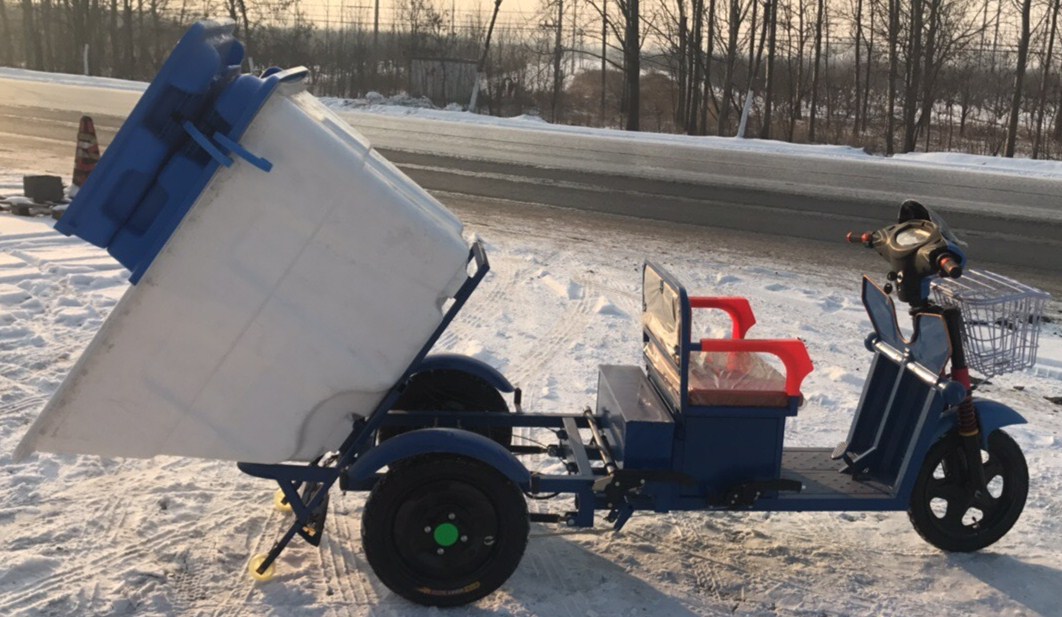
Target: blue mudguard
{"type": "Point", "coordinates": [439, 441]}
{"type": "Point", "coordinates": [993, 416]}
{"type": "Point", "coordinates": [465, 364]}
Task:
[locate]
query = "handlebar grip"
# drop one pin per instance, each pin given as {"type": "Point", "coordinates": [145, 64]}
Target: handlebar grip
{"type": "Point", "coordinates": [949, 266]}
{"type": "Point", "coordinates": [866, 238]}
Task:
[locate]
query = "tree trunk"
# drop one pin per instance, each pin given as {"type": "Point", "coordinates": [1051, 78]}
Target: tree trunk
{"type": "Point", "coordinates": [558, 55]}
{"type": "Point", "coordinates": [929, 74]}
{"type": "Point", "coordinates": [858, 57]}
{"type": "Point", "coordinates": [771, 15]}
{"type": "Point", "coordinates": [697, 65]}
{"type": "Point", "coordinates": [129, 61]}
{"type": "Point", "coordinates": [815, 71]}
{"type": "Point", "coordinates": [731, 59]}
{"type": "Point", "coordinates": [1044, 78]}
{"type": "Point", "coordinates": [116, 49]}
{"type": "Point", "coordinates": [797, 106]}
{"type": "Point", "coordinates": [866, 81]}
{"type": "Point", "coordinates": [709, 92]}
{"type": "Point", "coordinates": [683, 65]}
{"type": "Point", "coordinates": [1057, 133]}
{"type": "Point", "coordinates": [7, 53]}
{"type": "Point", "coordinates": [30, 37]}
{"type": "Point", "coordinates": [894, 35]}
{"type": "Point", "coordinates": [914, 77]}
{"type": "Point", "coordinates": [632, 49]}
{"type": "Point", "coordinates": [1019, 79]}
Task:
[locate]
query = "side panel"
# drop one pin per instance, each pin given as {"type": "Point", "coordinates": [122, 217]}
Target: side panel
{"type": "Point", "coordinates": [637, 425]}
{"type": "Point", "coordinates": [733, 446]}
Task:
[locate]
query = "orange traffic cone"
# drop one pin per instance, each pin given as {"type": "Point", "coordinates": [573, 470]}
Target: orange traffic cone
{"type": "Point", "coordinates": [87, 154]}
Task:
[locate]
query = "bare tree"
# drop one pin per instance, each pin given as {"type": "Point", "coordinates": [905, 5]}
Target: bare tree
{"type": "Point", "coordinates": [7, 53]}
{"type": "Point", "coordinates": [1045, 75]}
{"type": "Point", "coordinates": [894, 36]}
{"type": "Point", "coordinates": [1019, 79]}
{"type": "Point", "coordinates": [858, 45]}
{"type": "Point", "coordinates": [815, 76]}
{"type": "Point", "coordinates": [734, 23]}
{"type": "Point", "coordinates": [914, 75]}
{"type": "Point", "coordinates": [632, 54]}
{"type": "Point", "coordinates": [626, 30]}
{"type": "Point", "coordinates": [558, 55]}
{"type": "Point", "coordinates": [770, 14]}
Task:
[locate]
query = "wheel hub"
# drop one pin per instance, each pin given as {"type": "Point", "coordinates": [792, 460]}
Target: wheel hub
{"type": "Point", "coordinates": [446, 535]}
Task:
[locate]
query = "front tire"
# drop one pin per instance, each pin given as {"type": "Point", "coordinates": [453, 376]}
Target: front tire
{"type": "Point", "coordinates": [952, 516]}
{"type": "Point", "coordinates": [443, 530]}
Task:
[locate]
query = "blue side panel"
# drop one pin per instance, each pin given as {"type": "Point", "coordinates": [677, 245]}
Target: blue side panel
{"type": "Point", "coordinates": [637, 423]}
{"type": "Point", "coordinates": [154, 169]}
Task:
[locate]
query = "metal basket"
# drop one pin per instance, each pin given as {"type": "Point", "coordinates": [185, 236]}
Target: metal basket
{"type": "Point", "coordinates": [1002, 319]}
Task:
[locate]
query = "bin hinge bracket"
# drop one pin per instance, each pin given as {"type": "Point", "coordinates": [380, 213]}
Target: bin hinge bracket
{"type": "Point", "coordinates": [242, 152]}
{"type": "Point", "coordinates": [204, 142]}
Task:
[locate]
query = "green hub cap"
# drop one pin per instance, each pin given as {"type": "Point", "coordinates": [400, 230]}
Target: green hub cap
{"type": "Point", "coordinates": [446, 535]}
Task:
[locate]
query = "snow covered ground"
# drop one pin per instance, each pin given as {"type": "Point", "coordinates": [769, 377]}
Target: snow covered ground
{"type": "Point", "coordinates": [171, 536]}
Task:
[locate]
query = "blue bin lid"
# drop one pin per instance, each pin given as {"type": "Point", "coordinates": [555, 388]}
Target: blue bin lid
{"type": "Point", "coordinates": [188, 122]}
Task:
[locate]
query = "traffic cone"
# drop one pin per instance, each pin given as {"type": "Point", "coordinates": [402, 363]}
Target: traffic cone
{"type": "Point", "coordinates": [87, 154]}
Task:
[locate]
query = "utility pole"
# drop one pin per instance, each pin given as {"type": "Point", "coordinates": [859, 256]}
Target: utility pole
{"type": "Point", "coordinates": [375, 39]}
{"type": "Point", "coordinates": [558, 54]}
{"type": "Point", "coordinates": [483, 58]}
{"type": "Point", "coordinates": [575, 31]}
{"type": "Point", "coordinates": [604, 54]}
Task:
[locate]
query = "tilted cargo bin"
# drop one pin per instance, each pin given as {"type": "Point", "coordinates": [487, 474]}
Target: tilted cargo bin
{"type": "Point", "coordinates": [285, 275]}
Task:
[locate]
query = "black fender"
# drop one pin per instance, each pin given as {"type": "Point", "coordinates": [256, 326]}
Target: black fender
{"type": "Point", "coordinates": [465, 364]}
{"type": "Point", "coordinates": [438, 441]}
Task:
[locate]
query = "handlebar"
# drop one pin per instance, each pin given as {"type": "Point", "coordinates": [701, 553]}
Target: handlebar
{"type": "Point", "coordinates": [949, 266]}
{"type": "Point", "coordinates": [866, 238]}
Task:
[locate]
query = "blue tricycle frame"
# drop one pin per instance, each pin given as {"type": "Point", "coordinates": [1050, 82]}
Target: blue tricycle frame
{"type": "Point", "coordinates": [646, 447]}
{"type": "Point", "coordinates": [699, 426]}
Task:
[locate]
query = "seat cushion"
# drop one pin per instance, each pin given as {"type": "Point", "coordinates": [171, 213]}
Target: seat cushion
{"type": "Point", "coordinates": [734, 379]}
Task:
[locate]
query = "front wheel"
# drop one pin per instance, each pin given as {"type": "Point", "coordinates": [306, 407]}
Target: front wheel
{"type": "Point", "coordinates": [443, 530]}
{"type": "Point", "coordinates": [954, 516]}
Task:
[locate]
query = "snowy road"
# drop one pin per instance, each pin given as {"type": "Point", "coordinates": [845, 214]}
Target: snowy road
{"type": "Point", "coordinates": [804, 193]}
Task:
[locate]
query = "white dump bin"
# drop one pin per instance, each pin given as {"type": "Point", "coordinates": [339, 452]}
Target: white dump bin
{"type": "Point", "coordinates": [274, 299]}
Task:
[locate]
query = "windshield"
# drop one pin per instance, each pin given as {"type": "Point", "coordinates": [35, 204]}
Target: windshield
{"type": "Point", "coordinates": [913, 210]}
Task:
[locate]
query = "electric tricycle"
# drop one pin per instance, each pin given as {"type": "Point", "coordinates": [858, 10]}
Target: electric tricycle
{"type": "Point", "coordinates": [699, 426]}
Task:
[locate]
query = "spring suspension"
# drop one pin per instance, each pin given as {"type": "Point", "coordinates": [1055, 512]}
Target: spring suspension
{"type": "Point", "coordinates": [968, 424]}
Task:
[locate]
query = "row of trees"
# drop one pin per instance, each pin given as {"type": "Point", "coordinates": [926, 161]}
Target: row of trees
{"type": "Point", "coordinates": [888, 75]}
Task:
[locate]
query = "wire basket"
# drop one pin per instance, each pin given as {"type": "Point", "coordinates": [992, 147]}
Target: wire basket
{"type": "Point", "coordinates": [1001, 316]}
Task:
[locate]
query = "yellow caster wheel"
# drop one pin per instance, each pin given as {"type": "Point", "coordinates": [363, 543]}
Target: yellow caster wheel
{"type": "Point", "coordinates": [280, 502]}
{"type": "Point", "coordinates": [263, 577]}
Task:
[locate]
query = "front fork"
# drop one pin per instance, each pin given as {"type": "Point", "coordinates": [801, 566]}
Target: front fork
{"type": "Point", "coordinates": [969, 424]}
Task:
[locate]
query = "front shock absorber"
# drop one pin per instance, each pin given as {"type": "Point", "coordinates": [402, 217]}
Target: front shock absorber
{"type": "Point", "coordinates": [969, 424]}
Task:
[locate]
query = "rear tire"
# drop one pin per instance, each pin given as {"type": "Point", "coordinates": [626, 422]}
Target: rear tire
{"type": "Point", "coordinates": [952, 517]}
{"type": "Point", "coordinates": [443, 530]}
{"type": "Point", "coordinates": [451, 390]}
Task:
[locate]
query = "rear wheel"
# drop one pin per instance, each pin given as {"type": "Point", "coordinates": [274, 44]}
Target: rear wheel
{"type": "Point", "coordinates": [451, 390]}
{"type": "Point", "coordinates": [442, 530]}
{"type": "Point", "coordinates": [949, 513]}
